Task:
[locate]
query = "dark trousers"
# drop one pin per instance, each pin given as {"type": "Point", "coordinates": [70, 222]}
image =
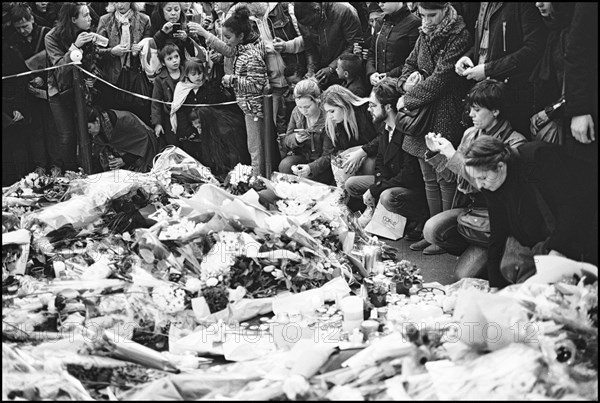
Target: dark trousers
{"type": "Point", "coordinates": [63, 110]}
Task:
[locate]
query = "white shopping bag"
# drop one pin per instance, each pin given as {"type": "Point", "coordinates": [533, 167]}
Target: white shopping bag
{"type": "Point", "coordinates": [386, 224]}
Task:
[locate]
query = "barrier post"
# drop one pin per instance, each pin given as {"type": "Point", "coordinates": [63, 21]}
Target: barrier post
{"type": "Point", "coordinates": [83, 137]}
{"type": "Point", "coordinates": [268, 140]}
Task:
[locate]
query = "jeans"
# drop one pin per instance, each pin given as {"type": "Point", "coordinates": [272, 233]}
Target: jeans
{"type": "Point", "coordinates": [406, 202]}
{"type": "Point", "coordinates": [472, 263]}
{"type": "Point", "coordinates": [63, 109]}
{"type": "Point", "coordinates": [441, 230]}
{"type": "Point", "coordinates": [285, 166]}
{"type": "Point", "coordinates": [356, 186]}
{"type": "Point", "coordinates": [279, 110]}
{"type": "Point", "coordinates": [439, 192]}
{"type": "Point", "coordinates": [255, 130]}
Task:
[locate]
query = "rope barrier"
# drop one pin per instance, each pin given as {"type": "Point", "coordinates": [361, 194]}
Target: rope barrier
{"type": "Point", "coordinates": [135, 94]}
{"type": "Point", "coordinates": [40, 70]}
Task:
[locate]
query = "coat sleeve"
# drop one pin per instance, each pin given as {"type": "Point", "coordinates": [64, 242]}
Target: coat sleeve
{"type": "Point", "coordinates": [156, 107]}
{"type": "Point", "coordinates": [370, 66]}
{"type": "Point", "coordinates": [432, 87]}
{"type": "Point", "coordinates": [581, 75]}
{"type": "Point", "coordinates": [220, 46]}
{"type": "Point", "coordinates": [289, 140]}
{"type": "Point", "coordinates": [413, 36]}
{"type": "Point", "coordinates": [534, 38]}
{"type": "Point", "coordinates": [104, 53]}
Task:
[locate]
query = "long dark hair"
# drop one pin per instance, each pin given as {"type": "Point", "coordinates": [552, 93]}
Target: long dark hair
{"type": "Point", "coordinates": [65, 29]}
{"type": "Point", "coordinates": [157, 20]}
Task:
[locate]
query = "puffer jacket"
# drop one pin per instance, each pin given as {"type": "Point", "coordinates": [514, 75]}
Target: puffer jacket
{"type": "Point", "coordinates": [139, 27]}
{"type": "Point", "coordinates": [393, 44]}
{"type": "Point", "coordinates": [250, 69]}
{"type": "Point", "coordinates": [336, 34]}
{"type": "Point", "coordinates": [443, 88]}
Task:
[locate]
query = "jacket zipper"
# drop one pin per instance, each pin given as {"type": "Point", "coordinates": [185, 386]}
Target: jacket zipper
{"type": "Point", "coordinates": [504, 35]}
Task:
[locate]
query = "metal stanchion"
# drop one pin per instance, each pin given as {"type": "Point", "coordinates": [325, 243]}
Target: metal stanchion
{"type": "Point", "coordinates": [83, 137]}
{"type": "Point", "coordinates": [268, 141]}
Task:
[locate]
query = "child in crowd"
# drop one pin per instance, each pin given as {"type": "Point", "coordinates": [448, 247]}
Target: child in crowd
{"type": "Point", "coordinates": [350, 69]}
{"type": "Point", "coordinates": [293, 74]}
{"type": "Point", "coordinates": [164, 89]}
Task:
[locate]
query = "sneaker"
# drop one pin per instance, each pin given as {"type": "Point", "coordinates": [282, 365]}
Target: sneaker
{"type": "Point", "coordinates": [419, 246]}
{"type": "Point", "coordinates": [433, 250]}
{"type": "Point", "coordinates": [365, 217]}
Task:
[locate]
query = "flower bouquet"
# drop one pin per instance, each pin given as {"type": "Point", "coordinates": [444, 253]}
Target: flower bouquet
{"type": "Point", "coordinates": [240, 180]}
{"type": "Point", "coordinates": [340, 174]}
{"type": "Point", "coordinates": [179, 174]}
{"type": "Point", "coordinates": [404, 274]}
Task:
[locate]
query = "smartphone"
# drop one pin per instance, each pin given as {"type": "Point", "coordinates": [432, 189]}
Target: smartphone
{"type": "Point", "coordinates": [176, 26]}
{"type": "Point", "coordinates": [196, 18]}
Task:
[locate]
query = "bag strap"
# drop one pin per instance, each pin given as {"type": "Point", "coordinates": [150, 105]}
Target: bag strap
{"type": "Point", "coordinates": [43, 32]}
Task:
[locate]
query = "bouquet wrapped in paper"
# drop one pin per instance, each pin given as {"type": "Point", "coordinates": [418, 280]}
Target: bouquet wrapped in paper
{"type": "Point", "coordinates": [179, 174]}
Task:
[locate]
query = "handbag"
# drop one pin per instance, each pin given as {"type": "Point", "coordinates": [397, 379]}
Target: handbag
{"type": "Point", "coordinates": [551, 132]}
{"type": "Point", "coordinates": [133, 79]}
{"type": "Point", "coordinates": [474, 225]}
{"type": "Point", "coordinates": [416, 122]}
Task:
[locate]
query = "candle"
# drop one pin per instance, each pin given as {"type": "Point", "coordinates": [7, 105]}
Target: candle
{"type": "Point", "coordinates": [352, 308]}
{"type": "Point", "coordinates": [371, 256]}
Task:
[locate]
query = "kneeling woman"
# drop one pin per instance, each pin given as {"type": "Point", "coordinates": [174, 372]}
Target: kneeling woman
{"type": "Point", "coordinates": [122, 140]}
{"type": "Point", "coordinates": [303, 141]}
{"type": "Point", "coordinates": [540, 201]}
{"type": "Point", "coordinates": [350, 133]}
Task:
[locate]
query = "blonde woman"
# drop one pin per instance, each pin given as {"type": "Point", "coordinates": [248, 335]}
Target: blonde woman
{"type": "Point", "coordinates": [349, 132]}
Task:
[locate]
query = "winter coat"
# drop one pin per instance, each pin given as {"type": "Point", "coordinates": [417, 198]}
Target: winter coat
{"type": "Point", "coordinates": [108, 27]}
{"type": "Point", "coordinates": [395, 167]}
{"type": "Point", "coordinates": [443, 88]}
{"type": "Point", "coordinates": [336, 34]}
{"type": "Point", "coordinates": [164, 88]}
{"type": "Point", "coordinates": [298, 121]}
{"type": "Point", "coordinates": [516, 41]}
{"type": "Point", "coordinates": [393, 44]}
{"type": "Point", "coordinates": [59, 54]}
{"type": "Point", "coordinates": [564, 224]}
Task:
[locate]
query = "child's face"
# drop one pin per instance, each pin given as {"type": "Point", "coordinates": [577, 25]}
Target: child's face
{"type": "Point", "coordinates": [340, 69]}
{"type": "Point", "coordinates": [196, 78]}
{"type": "Point", "coordinates": [293, 80]}
{"type": "Point", "coordinates": [172, 61]}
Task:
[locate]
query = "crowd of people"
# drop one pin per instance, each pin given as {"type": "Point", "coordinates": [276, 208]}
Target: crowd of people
{"type": "Point", "coordinates": [510, 91]}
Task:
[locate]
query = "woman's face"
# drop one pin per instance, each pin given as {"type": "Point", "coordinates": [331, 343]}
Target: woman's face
{"type": "Point", "coordinates": [42, 7]}
{"type": "Point", "coordinates": [490, 179]}
{"type": "Point", "coordinates": [545, 9]}
{"type": "Point", "coordinates": [123, 7]}
{"type": "Point", "coordinates": [83, 22]}
{"type": "Point", "coordinates": [334, 113]}
{"type": "Point", "coordinates": [172, 12]}
{"type": "Point", "coordinates": [231, 39]}
{"type": "Point", "coordinates": [307, 106]}
{"type": "Point", "coordinates": [431, 18]}
{"type": "Point", "coordinates": [483, 118]}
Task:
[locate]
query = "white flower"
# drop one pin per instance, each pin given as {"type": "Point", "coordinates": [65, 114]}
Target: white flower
{"type": "Point", "coordinates": [177, 190]}
{"type": "Point", "coordinates": [211, 282]}
{"type": "Point", "coordinates": [193, 285]}
{"type": "Point", "coordinates": [277, 273]}
{"type": "Point", "coordinates": [169, 299]}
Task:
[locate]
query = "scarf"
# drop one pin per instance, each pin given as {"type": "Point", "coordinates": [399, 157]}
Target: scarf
{"type": "Point", "coordinates": [450, 16]}
{"type": "Point", "coordinates": [123, 21]}
{"type": "Point", "coordinates": [182, 89]}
